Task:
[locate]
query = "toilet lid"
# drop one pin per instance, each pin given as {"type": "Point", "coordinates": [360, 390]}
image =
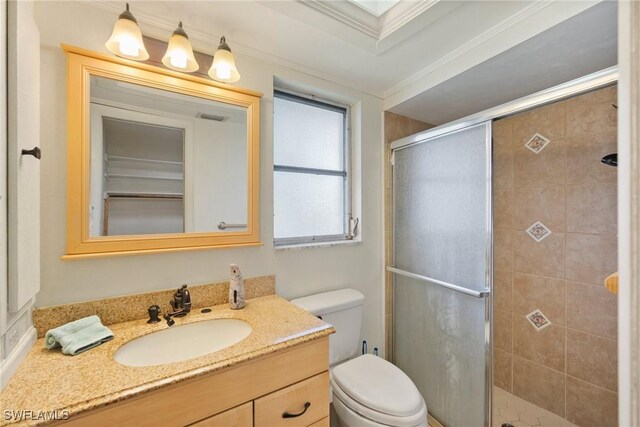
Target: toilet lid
{"type": "Point", "coordinates": [379, 385]}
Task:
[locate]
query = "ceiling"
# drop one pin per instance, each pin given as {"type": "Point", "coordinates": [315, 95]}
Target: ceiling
{"type": "Point", "coordinates": [338, 40]}
{"type": "Point", "coordinates": [429, 59]}
{"type": "Point", "coordinates": [579, 46]}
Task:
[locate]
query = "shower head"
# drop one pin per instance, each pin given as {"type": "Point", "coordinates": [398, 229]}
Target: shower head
{"type": "Point", "coordinates": [610, 159]}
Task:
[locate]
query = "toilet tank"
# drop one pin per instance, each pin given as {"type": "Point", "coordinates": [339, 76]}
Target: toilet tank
{"type": "Point", "coordinates": [343, 310]}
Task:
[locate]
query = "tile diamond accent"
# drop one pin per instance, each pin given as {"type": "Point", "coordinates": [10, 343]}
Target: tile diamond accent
{"type": "Point", "coordinates": [537, 143]}
{"type": "Point", "coordinates": [538, 231]}
{"type": "Point", "coordinates": [538, 320]}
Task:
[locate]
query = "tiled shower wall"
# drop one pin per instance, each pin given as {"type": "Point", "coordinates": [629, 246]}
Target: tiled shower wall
{"type": "Point", "coordinates": [555, 243]}
{"type": "Point", "coordinates": [395, 127]}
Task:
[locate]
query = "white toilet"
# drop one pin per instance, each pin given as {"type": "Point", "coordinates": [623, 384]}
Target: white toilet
{"type": "Point", "coordinates": [366, 390]}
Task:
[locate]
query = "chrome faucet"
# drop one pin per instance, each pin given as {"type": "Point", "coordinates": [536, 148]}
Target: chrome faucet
{"type": "Point", "coordinates": [180, 305]}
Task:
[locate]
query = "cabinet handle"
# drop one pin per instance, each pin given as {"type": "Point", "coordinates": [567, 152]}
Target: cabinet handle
{"type": "Point", "coordinates": [288, 415]}
{"type": "Point", "coordinates": [35, 152]}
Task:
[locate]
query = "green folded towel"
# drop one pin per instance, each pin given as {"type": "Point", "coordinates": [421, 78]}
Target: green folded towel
{"type": "Point", "coordinates": [78, 336]}
{"type": "Point", "coordinates": [53, 336]}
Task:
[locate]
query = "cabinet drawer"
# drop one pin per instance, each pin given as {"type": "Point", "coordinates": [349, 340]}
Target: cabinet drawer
{"type": "Point", "coordinates": [322, 423]}
{"type": "Point", "coordinates": [306, 402]}
{"type": "Point", "coordinates": [240, 416]}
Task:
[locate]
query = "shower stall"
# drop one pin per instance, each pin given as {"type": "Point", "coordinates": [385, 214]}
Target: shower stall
{"type": "Point", "coordinates": [503, 232]}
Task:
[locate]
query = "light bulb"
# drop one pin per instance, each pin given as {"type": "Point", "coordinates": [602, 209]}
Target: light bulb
{"type": "Point", "coordinates": [128, 46]}
{"type": "Point", "coordinates": [223, 67]}
{"type": "Point", "coordinates": [126, 38]}
{"type": "Point", "coordinates": [223, 73]}
{"type": "Point", "coordinates": [179, 55]}
{"type": "Point", "coordinates": [179, 59]}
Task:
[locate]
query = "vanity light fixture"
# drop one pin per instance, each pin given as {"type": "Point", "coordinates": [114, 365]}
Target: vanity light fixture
{"type": "Point", "coordinates": [126, 38]}
{"type": "Point", "coordinates": [179, 55]}
{"type": "Point", "coordinates": [223, 67]}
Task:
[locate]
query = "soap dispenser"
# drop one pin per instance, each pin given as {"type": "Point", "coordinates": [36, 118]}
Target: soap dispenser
{"type": "Point", "coordinates": [236, 289]}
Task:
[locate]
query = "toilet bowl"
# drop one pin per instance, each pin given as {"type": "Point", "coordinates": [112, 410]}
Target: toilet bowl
{"type": "Point", "coordinates": [367, 391]}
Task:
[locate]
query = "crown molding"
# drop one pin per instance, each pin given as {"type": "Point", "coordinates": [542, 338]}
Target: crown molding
{"type": "Point", "coordinates": [407, 18]}
{"type": "Point", "coordinates": [402, 13]}
{"type": "Point", "coordinates": [349, 14]}
{"type": "Point", "coordinates": [391, 27]}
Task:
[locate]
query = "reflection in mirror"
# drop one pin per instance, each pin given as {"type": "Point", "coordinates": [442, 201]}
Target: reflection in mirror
{"type": "Point", "coordinates": [163, 162]}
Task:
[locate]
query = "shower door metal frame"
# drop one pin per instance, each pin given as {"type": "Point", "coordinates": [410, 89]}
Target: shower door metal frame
{"type": "Point", "coordinates": [487, 292]}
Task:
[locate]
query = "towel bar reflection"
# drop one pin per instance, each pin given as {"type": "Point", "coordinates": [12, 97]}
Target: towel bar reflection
{"type": "Point", "coordinates": [223, 226]}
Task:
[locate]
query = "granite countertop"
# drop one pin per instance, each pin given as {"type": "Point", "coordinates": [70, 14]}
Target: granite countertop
{"type": "Point", "coordinates": [48, 380]}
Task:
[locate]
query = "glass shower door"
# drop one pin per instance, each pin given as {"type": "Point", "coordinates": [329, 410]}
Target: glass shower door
{"type": "Point", "coordinates": [442, 272]}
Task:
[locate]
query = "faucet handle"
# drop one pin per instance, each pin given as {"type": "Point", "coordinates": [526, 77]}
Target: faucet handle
{"type": "Point", "coordinates": [169, 319]}
{"type": "Point", "coordinates": [154, 312]}
{"type": "Point", "coordinates": [186, 298]}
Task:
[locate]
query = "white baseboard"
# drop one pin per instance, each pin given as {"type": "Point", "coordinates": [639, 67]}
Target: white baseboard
{"type": "Point", "coordinates": [13, 360]}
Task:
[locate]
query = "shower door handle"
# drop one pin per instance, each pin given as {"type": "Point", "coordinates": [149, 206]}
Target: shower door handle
{"type": "Point", "coordinates": [476, 294]}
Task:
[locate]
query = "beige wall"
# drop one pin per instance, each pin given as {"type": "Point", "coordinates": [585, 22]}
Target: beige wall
{"type": "Point", "coordinates": [569, 367]}
{"type": "Point", "coordinates": [298, 272]}
{"type": "Point", "coordinates": [395, 127]}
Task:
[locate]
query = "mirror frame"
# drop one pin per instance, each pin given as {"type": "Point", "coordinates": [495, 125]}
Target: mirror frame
{"type": "Point", "coordinates": [81, 65]}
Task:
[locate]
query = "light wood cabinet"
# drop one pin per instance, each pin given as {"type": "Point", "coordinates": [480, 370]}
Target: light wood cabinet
{"type": "Point", "coordinates": [257, 393]}
{"type": "Point", "coordinates": [322, 423]}
{"type": "Point", "coordinates": [298, 405]}
{"type": "Point", "coordinates": [240, 416]}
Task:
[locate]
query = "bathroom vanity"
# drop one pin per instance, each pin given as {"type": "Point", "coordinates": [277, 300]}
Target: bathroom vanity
{"type": "Point", "coordinates": [276, 376]}
{"type": "Point", "coordinates": [289, 383]}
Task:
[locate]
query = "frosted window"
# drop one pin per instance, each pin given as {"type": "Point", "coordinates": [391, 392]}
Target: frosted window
{"type": "Point", "coordinates": [310, 175]}
{"type": "Point", "coordinates": [308, 205]}
{"type": "Point", "coordinates": [308, 136]}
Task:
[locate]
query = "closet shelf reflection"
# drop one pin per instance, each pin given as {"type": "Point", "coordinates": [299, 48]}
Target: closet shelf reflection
{"type": "Point", "coordinates": [138, 159]}
{"type": "Point", "coordinates": [131, 195]}
{"type": "Point", "coordinates": [128, 176]}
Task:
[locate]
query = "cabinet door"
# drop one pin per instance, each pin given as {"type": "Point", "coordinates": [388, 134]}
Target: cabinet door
{"type": "Point", "coordinates": [240, 416]}
{"type": "Point", "coordinates": [298, 405]}
{"type": "Point", "coordinates": [322, 423]}
{"type": "Point", "coordinates": [24, 170]}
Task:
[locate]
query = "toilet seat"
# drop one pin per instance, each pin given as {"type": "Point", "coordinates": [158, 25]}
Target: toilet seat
{"type": "Point", "coordinates": [379, 391]}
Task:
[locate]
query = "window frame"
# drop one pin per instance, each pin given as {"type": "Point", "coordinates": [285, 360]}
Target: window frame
{"type": "Point", "coordinates": [317, 102]}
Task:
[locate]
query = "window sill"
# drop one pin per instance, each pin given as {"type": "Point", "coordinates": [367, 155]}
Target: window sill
{"type": "Point", "coordinates": [312, 245]}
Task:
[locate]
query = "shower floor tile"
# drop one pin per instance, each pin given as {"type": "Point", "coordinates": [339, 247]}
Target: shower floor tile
{"type": "Point", "coordinates": [508, 408]}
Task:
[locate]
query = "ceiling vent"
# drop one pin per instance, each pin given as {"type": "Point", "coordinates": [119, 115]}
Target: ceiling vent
{"type": "Point", "coordinates": [213, 117]}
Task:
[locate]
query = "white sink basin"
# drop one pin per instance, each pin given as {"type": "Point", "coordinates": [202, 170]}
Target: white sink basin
{"type": "Point", "coordinates": [183, 342]}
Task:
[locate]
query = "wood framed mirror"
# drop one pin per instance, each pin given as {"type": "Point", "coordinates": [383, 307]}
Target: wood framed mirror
{"type": "Point", "coordinates": [157, 160]}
